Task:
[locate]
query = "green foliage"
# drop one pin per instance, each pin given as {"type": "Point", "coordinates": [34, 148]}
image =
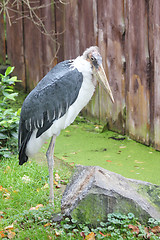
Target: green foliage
{"type": "Point", "coordinates": [8, 117]}
{"type": "Point", "coordinates": [153, 223]}
{"type": "Point", "coordinates": [25, 212]}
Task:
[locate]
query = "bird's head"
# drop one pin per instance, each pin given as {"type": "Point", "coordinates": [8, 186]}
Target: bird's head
{"type": "Point", "coordinates": [93, 56]}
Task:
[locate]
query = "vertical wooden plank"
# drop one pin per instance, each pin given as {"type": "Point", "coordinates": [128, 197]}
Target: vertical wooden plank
{"type": "Point", "coordinates": [71, 34]}
{"type": "Point", "coordinates": [33, 47]}
{"type": "Point", "coordinates": [2, 41]}
{"type": "Point", "coordinates": [87, 19]}
{"type": "Point", "coordinates": [111, 30]}
{"type": "Point", "coordinates": [15, 50]}
{"type": "Point", "coordinates": [137, 58]}
{"type": "Point", "coordinates": [48, 36]}
{"type": "Point", "coordinates": [87, 24]}
{"type": "Point", "coordinates": [154, 48]}
{"type": "Point", "coordinates": [60, 28]}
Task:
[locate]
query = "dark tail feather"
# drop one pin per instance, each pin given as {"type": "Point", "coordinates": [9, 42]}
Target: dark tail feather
{"type": "Point", "coordinates": [22, 149]}
{"type": "Point", "coordinates": [22, 157]}
{"type": "Point", "coordinates": [23, 138]}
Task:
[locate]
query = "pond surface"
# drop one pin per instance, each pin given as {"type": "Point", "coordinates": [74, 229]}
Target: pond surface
{"type": "Point", "coordinates": [84, 143]}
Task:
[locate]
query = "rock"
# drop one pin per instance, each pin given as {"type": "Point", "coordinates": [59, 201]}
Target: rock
{"type": "Point", "coordinates": [93, 192]}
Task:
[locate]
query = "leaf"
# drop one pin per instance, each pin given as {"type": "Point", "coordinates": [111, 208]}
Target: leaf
{"type": "Point", "coordinates": [32, 208]}
{"type": "Point", "coordinates": [11, 234]}
{"type": "Point", "coordinates": [108, 161]}
{"type": "Point", "coordinates": [58, 233]}
{"type": "Point", "coordinates": [47, 224]}
{"type": "Point", "coordinates": [3, 136]}
{"type": "Point", "coordinates": [10, 96]}
{"type": "Point", "coordinates": [72, 163]}
{"type": "Point", "coordinates": [57, 177]}
{"type": "Point", "coordinates": [39, 206]}
{"type": "Point", "coordinates": [14, 79]}
{"type": "Point", "coordinates": [134, 228]}
{"type": "Point", "coordinates": [26, 179]}
{"type": "Point", "coordinates": [147, 233]}
{"type": "Point", "coordinates": [36, 208]}
{"type": "Point", "coordinates": [82, 234]}
{"type": "Point", "coordinates": [2, 234]}
{"type": "Point", "coordinates": [5, 192]}
{"type": "Point", "coordinates": [46, 186]}
{"type": "Point", "coordinates": [90, 236]}
{"type": "Point", "coordinates": [7, 154]}
{"type": "Point", "coordinates": [18, 112]}
{"type": "Point", "coordinates": [9, 70]}
{"type": "Point", "coordinates": [1, 214]}
{"type": "Point", "coordinates": [7, 169]}
{"type": "Point", "coordinates": [136, 161]}
{"type": "Point", "coordinates": [15, 191]}
{"type": "Point", "coordinates": [156, 229]}
{"type": "Point", "coordinates": [56, 183]}
{"type": "Point", "coordinates": [9, 227]}
{"type": "Point", "coordinates": [105, 235]}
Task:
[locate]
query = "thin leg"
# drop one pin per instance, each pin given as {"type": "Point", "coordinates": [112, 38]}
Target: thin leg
{"type": "Point", "coordinates": [50, 160]}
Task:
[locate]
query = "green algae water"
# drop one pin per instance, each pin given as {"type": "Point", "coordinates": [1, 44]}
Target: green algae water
{"type": "Point", "coordinates": [84, 143]}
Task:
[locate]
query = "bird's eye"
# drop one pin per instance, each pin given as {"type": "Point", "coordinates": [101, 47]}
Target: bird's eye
{"type": "Point", "coordinates": [92, 58]}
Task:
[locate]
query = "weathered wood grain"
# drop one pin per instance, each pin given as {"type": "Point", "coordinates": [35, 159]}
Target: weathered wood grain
{"type": "Point", "coordinates": [48, 36]}
{"type": "Point", "coordinates": [2, 40]}
{"type": "Point", "coordinates": [110, 40]}
{"type": "Point", "coordinates": [59, 28]}
{"type": "Point", "coordinates": [137, 59]}
{"type": "Point", "coordinates": [87, 19]}
{"type": "Point", "coordinates": [87, 24]}
{"type": "Point", "coordinates": [154, 47]}
{"type": "Point", "coordinates": [33, 46]}
{"type": "Point", "coordinates": [71, 32]}
{"type": "Point", "coordinates": [15, 42]}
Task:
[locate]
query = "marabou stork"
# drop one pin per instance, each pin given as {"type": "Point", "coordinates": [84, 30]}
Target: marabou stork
{"type": "Point", "coordinates": [56, 101]}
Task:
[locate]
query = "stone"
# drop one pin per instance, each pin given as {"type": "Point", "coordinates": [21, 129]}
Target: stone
{"type": "Point", "coordinates": [94, 192]}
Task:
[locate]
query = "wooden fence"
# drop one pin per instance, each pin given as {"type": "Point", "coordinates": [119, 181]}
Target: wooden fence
{"type": "Point", "coordinates": [128, 35]}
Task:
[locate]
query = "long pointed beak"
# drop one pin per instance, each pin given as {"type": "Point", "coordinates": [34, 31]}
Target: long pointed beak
{"type": "Point", "coordinates": [102, 79]}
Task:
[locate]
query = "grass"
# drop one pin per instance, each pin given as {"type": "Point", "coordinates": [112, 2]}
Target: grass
{"type": "Point", "coordinates": [27, 186]}
{"type": "Point", "coordinates": [25, 212]}
{"type": "Point", "coordinates": [23, 188]}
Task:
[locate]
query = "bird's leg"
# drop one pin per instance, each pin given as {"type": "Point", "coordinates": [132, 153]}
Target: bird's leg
{"type": "Point", "coordinates": [50, 160]}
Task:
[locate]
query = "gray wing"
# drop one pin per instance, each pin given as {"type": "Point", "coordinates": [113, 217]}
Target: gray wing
{"type": "Point", "coordinates": [49, 100]}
